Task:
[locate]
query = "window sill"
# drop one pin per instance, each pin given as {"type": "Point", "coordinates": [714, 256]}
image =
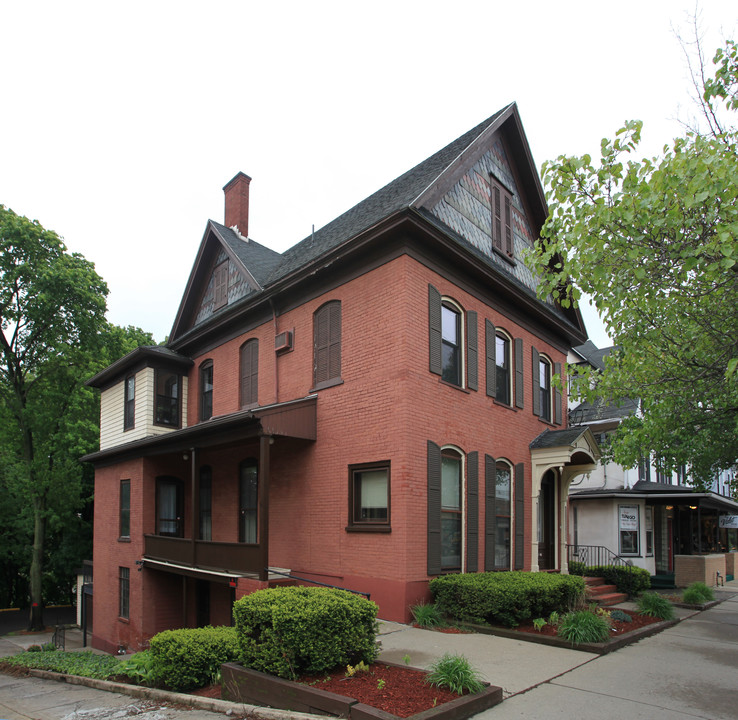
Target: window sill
{"type": "Point", "coordinates": [504, 405]}
{"type": "Point", "coordinates": [326, 384]}
{"type": "Point", "coordinates": [507, 258]}
{"type": "Point", "coordinates": [126, 621]}
{"type": "Point", "coordinates": [124, 539]}
{"type": "Point", "coordinates": [455, 387]}
{"type": "Point", "coordinates": [369, 528]}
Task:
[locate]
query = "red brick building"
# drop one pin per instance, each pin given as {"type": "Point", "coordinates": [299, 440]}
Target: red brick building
{"type": "Point", "coordinates": [369, 409]}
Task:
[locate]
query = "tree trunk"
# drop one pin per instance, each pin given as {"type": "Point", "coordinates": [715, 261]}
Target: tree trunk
{"type": "Point", "coordinates": [36, 618]}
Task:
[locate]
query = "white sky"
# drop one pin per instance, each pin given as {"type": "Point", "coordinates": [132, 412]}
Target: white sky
{"type": "Point", "coordinates": [120, 123]}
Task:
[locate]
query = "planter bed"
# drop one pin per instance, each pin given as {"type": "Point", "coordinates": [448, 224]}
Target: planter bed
{"type": "Point", "coordinates": [615, 643]}
{"type": "Point", "coordinates": [243, 685]}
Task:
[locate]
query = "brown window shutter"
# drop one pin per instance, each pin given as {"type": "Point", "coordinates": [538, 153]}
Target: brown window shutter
{"type": "Point", "coordinates": [472, 512]}
{"type": "Point", "coordinates": [519, 516]}
{"type": "Point", "coordinates": [249, 372]}
{"type": "Point", "coordinates": [490, 517]}
{"type": "Point", "coordinates": [220, 285]}
{"type": "Point", "coordinates": [434, 508]}
{"type": "Point", "coordinates": [334, 340]}
{"type": "Point", "coordinates": [557, 396]}
{"type": "Point", "coordinates": [434, 329]}
{"type": "Point", "coordinates": [327, 342]}
{"type": "Point", "coordinates": [472, 359]}
{"type": "Point", "coordinates": [496, 218]}
{"type": "Point", "coordinates": [490, 350]}
{"type": "Point", "coordinates": [536, 359]}
{"type": "Point", "coordinates": [508, 225]}
{"type": "Point", "coordinates": [519, 378]}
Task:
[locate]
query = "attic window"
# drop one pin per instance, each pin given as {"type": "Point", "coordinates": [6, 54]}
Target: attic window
{"type": "Point", "coordinates": [501, 202]}
{"type": "Point", "coordinates": [220, 285]}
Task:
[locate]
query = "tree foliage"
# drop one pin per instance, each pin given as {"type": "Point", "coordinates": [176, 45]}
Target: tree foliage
{"type": "Point", "coordinates": [54, 336]}
{"type": "Point", "coordinates": [654, 242]}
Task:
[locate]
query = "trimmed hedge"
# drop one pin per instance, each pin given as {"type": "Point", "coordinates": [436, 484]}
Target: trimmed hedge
{"type": "Point", "coordinates": [632, 581]}
{"type": "Point", "coordinates": [191, 657]}
{"type": "Point", "coordinates": [290, 631]}
{"type": "Point", "coordinates": [506, 598]}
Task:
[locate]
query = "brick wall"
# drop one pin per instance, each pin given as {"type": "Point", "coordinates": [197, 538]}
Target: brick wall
{"type": "Point", "coordinates": [697, 568]}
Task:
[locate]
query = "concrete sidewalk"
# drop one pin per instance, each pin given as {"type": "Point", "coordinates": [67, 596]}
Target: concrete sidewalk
{"type": "Point", "coordinates": [687, 671]}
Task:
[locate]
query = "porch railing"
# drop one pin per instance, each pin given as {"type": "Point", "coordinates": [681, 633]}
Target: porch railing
{"type": "Point", "coordinates": [596, 555]}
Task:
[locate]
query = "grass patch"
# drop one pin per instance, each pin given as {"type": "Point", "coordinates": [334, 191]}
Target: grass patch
{"type": "Point", "coordinates": [84, 664]}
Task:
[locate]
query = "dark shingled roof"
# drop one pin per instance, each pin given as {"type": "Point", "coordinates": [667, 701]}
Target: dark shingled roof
{"type": "Point", "coordinates": [397, 195]}
{"type": "Point", "coordinates": [599, 410]}
{"type": "Point", "coordinates": [557, 438]}
{"type": "Point", "coordinates": [258, 259]}
{"type": "Point", "coordinates": [643, 486]}
{"type": "Point", "coordinates": [594, 355]}
{"type": "Point", "coordinates": [136, 356]}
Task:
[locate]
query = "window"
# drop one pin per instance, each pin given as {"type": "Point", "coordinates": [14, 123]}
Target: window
{"type": "Point", "coordinates": [451, 509]}
{"type": "Point", "coordinates": [503, 485]}
{"type": "Point", "coordinates": [629, 525]}
{"type": "Point", "coordinates": [502, 237]}
{"type": "Point", "coordinates": [544, 385]}
{"type": "Point", "coordinates": [249, 373]}
{"type": "Point", "coordinates": [503, 387]}
{"type": "Point", "coordinates": [124, 509]}
{"type": "Point", "coordinates": [327, 345]}
{"type": "Point", "coordinates": [369, 496]}
{"type": "Point", "coordinates": [169, 507]}
{"type": "Point", "coordinates": [206, 390]}
{"type": "Point", "coordinates": [124, 591]}
{"type": "Point", "coordinates": [206, 503]}
{"type": "Point", "coordinates": [248, 502]}
{"type": "Point", "coordinates": [220, 285]}
{"type": "Point", "coordinates": [451, 355]}
{"type": "Point", "coordinates": [166, 411]}
{"type": "Point", "coordinates": [129, 411]}
{"type": "Point", "coordinates": [649, 531]}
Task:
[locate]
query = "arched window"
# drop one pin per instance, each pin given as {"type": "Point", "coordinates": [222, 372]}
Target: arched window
{"type": "Point", "coordinates": [503, 365]}
{"type": "Point", "coordinates": [452, 356]}
{"type": "Point", "coordinates": [249, 364]}
{"type": "Point", "coordinates": [206, 390]}
{"type": "Point", "coordinates": [327, 345]}
{"type": "Point", "coordinates": [503, 495]}
{"type": "Point", "coordinates": [451, 508]}
{"type": "Point", "coordinates": [544, 387]}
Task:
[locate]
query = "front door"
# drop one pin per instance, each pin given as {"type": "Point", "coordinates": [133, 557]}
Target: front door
{"type": "Point", "coordinates": [546, 523]}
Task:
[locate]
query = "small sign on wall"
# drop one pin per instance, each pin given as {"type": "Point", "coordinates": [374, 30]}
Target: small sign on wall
{"type": "Point", "coordinates": [729, 521]}
{"type": "Point", "coordinates": [629, 517]}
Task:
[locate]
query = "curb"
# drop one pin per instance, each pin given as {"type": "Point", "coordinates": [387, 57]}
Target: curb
{"type": "Point", "coordinates": [194, 701]}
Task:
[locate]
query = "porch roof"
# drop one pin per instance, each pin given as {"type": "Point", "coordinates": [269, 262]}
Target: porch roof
{"type": "Point", "coordinates": [294, 419]}
{"type": "Point", "coordinates": [674, 494]}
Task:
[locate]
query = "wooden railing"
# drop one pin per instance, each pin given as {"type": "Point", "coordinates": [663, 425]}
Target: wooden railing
{"type": "Point", "coordinates": [206, 555]}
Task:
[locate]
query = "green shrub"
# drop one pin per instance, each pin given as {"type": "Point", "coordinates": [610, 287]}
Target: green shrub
{"type": "Point", "coordinates": [655, 605]}
{"type": "Point", "coordinates": [697, 594]}
{"type": "Point", "coordinates": [506, 598]}
{"type": "Point", "coordinates": [577, 568]}
{"type": "Point", "coordinates": [190, 657]}
{"type": "Point", "coordinates": [584, 626]}
{"type": "Point", "coordinates": [629, 580]}
{"type": "Point", "coordinates": [34, 648]}
{"type": "Point", "coordinates": [620, 616]}
{"type": "Point", "coordinates": [139, 668]}
{"type": "Point", "coordinates": [427, 615]}
{"type": "Point", "coordinates": [48, 647]}
{"type": "Point", "coordinates": [455, 673]}
{"type": "Point", "coordinates": [294, 630]}
{"type": "Point", "coordinates": [84, 664]}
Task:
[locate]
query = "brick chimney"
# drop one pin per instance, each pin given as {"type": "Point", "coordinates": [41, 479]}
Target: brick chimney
{"type": "Point", "coordinates": [237, 203]}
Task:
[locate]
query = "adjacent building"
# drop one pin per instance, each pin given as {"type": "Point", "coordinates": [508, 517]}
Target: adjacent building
{"type": "Point", "coordinates": [369, 409]}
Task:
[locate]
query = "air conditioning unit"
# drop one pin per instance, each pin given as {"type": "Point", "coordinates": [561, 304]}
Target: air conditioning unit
{"type": "Point", "coordinates": [283, 341]}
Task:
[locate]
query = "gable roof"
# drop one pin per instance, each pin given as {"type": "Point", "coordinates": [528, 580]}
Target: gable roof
{"type": "Point", "coordinates": [417, 189]}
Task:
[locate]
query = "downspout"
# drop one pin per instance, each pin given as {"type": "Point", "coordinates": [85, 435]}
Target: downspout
{"type": "Point", "coordinates": [276, 356]}
{"type": "Point", "coordinates": [193, 508]}
{"type": "Point", "coordinates": [265, 442]}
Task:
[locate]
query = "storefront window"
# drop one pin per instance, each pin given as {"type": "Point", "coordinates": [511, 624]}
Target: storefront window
{"type": "Point", "coordinates": [628, 523]}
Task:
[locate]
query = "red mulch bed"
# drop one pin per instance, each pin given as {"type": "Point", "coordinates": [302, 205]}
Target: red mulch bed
{"type": "Point", "coordinates": [403, 693]}
{"type": "Point", "coordinates": [617, 627]}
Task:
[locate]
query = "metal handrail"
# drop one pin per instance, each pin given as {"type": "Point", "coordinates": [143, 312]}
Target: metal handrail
{"type": "Point", "coordinates": [316, 582]}
{"type": "Point", "coordinates": [596, 555]}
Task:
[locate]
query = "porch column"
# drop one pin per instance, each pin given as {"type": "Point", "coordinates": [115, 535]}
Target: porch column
{"type": "Point", "coordinates": [265, 442]}
{"type": "Point", "coordinates": [194, 502]}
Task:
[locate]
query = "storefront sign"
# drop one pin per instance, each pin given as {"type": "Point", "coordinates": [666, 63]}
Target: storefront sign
{"type": "Point", "coordinates": [629, 517]}
{"type": "Point", "coordinates": [729, 521]}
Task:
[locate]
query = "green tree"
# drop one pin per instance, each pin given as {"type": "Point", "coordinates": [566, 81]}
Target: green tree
{"type": "Point", "coordinates": [654, 243]}
{"type": "Point", "coordinates": [54, 336]}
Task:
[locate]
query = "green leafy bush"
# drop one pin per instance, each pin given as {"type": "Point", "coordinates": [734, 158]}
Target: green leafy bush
{"type": "Point", "coordinates": [84, 664]}
{"type": "Point", "coordinates": [620, 616]}
{"type": "Point", "coordinates": [427, 615]}
{"type": "Point", "coordinates": [294, 630]}
{"type": "Point", "coordinates": [506, 598]}
{"type": "Point", "coordinates": [584, 626]}
{"type": "Point", "coordinates": [139, 668]}
{"type": "Point", "coordinates": [577, 568]}
{"type": "Point", "coordinates": [190, 657]}
{"type": "Point", "coordinates": [629, 580]}
{"type": "Point", "coordinates": [655, 605]}
{"type": "Point", "coordinates": [697, 594]}
{"type": "Point", "coordinates": [456, 673]}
